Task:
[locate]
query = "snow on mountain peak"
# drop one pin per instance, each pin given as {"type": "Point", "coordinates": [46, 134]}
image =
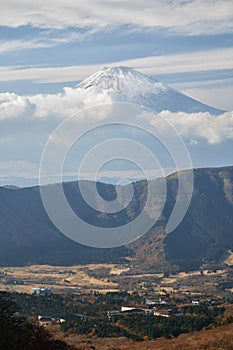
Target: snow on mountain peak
{"type": "Point", "coordinates": [128, 85]}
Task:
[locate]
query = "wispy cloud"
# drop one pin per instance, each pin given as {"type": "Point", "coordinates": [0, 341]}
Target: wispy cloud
{"type": "Point", "coordinates": [18, 45]}
{"type": "Point", "coordinates": [205, 60]}
{"type": "Point", "coordinates": [187, 17]}
{"type": "Point", "coordinates": [48, 39]}
{"type": "Point", "coordinates": [24, 168]}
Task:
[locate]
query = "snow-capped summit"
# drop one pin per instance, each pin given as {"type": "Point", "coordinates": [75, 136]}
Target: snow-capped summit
{"type": "Point", "coordinates": [126, 84]}
{"type": "Point", "coordinates": [125, 80]}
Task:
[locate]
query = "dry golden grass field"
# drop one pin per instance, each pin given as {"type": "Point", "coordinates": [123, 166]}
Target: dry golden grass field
{"type": "Point", "coordinates": [58, 278]}
{"type": "Point", "coordinates": [104, 278]}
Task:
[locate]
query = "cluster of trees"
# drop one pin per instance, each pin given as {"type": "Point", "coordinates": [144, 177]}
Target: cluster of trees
{"type": "Point", "coordinates": [211, 312]}
{"type": "Point", "coordinates": [113, 300]}
{"type": "Point", "coordinates": [139, 327]}
{"type": "Point", "coordinates": [32, 305]}
{"type": "Point", "coordinates": [100, 327]}
{"type": "Point", "coordinates": [136, 327]}
{"type": "Point", "coordinates": [16, 332]}
{"type": "Point", "coordinates": [154, 327]}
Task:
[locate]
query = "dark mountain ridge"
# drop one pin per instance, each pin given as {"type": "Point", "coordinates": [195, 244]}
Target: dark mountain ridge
{"type": "Point", "coordinates": [204, 235]}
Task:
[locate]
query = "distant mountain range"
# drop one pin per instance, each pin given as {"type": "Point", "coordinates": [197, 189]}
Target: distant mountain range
{"type": "Point", "coordinates": [204, 236]}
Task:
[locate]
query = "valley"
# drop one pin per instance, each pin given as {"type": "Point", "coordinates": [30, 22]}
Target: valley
{"type": "Point", "coordinates": [116, 175]}
{"type": "Point", "coordinates": [103, 278]}
{"type": "Point", "coordinates": [137, 319]}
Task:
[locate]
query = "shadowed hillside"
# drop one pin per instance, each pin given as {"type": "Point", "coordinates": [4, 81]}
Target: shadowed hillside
{"type": "Point", "coordinates": [205, 234]}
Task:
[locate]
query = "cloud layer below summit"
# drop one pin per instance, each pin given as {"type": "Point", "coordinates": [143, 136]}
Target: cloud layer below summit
{"type": "Point", "coordinates": [52, 109]}
{"type": "Point", "coordinates": [28, 121]}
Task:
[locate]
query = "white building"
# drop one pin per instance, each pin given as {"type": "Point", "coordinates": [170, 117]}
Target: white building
{"type": "Point", "coordinates": [41, 291]}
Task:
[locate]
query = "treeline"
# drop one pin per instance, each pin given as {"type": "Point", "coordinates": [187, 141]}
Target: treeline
{"type": "Point", "coordinates": [151, 327]}
{"type": "Point", "coordinates": [97, 323]}
{"type": "Point", "coordinates": [139, 327]}
{"type": "Point", "coordinates": [32, 305]}
{"type": "Point", "coordinates": [100, 327]}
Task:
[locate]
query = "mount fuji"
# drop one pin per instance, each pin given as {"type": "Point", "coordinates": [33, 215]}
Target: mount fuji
{"type": "Point", "coordinates": [124, 84]}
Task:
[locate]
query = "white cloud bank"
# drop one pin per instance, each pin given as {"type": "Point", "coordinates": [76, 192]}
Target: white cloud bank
{"type": "Point", "coordinates": [47, 108]}
{"type": "Point", "coordinates": [213, 129]}
{"type": "Point", "coordinates": [15, 106]}
{"type": "Point", "coordinates": [178, 16]}
{"type": "Point", "coordinates": [26, 123]}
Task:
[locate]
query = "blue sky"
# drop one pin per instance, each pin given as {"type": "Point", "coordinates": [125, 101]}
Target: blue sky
{"type": "Point", "coordinates": [49, 45]}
